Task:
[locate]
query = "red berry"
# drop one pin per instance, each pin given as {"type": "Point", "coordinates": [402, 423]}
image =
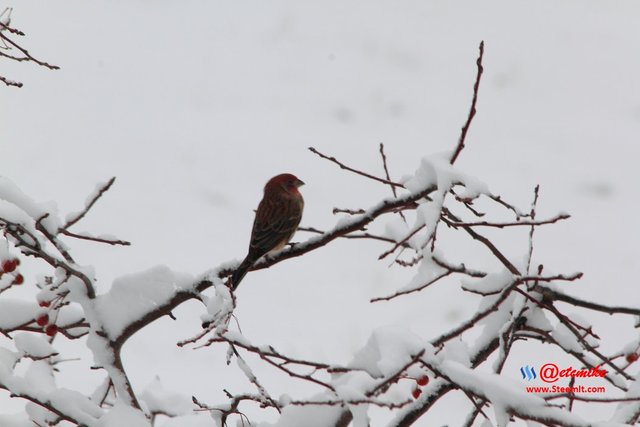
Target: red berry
{"type": "Point", "coordinates": [44, 303]}
{"type": "Point", "coordinates": [51, 330]}
{"type": "Point", "coordinates": [423, 380]}
{"type": "Point", "coordinates": [416, 393]}
{"type": "Point", "coordinates": [9, 265]}
{"type": "Point", "coordinates": [18, 280]}
{"type": "Point", "coordinates": [42, 320]}
{"type": "Point", "coordinates": [632, 357]}
{"type": "Point", "coordinates": [17, 261]}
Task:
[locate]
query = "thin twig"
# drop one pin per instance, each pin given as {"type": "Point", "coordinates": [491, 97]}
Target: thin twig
{"type": "Point", "coordinates": [412, 290]}
{"type": "Point", "coordinates": [494, 250]}
{"type": "Point", "coordinates": [89, 205]}
{"type": "Point", "coordinates": [348, 211]}
{"type": "Point", "coordinates": [388, 176]}
{"type": "Point", "coordinates": [356, 171]}
{"type": "Point", "coordinates": [401, 243]}
{"type": "Point", "coordinates": [472, 110]}
{"type": "Point", "coordinates": [559, 296]}
{"type": "Point", "coordinates": [353, 235]}
{"type": "Point", "coordinates": [532, 215]}
{"type": "Point", "coordinates": [510, 224]}
{"type": "Point", "coordinates": [95, 239]}
{"type": "Point", "coordinates": [26, 53]}
{"type": "Point", "coordinates": [8, 82]}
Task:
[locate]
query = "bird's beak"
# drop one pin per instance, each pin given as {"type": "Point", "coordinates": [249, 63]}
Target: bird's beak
{"type": "Point", "coordinates": [299, 183]}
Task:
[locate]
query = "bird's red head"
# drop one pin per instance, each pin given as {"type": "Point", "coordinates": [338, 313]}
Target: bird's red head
{"type": "Point", "coordinates": [286, 181]}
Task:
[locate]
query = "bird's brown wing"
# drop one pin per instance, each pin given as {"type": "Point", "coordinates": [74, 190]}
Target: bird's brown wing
{"type": "Point", "coordinates": [275, 223]}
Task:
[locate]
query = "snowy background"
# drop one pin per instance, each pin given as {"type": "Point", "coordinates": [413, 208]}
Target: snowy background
{"type": "Point", "coordinates": [194, 105]}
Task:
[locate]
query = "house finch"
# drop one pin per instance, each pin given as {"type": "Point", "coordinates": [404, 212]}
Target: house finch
{"type": "Point", "coordinates": [277, 219]}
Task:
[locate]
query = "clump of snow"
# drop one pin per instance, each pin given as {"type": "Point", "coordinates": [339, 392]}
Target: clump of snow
{"type": "Point", "coordinates": [489, 284]}
{"type": "Point", "coordinates": [345, 221]}
{"type": "Point", "coordinates": [39, 376]}
{"type": "Point", "coordinates": [495, 321]}
{"type": "Point", "coordinates": [134, 295]}
{"type": "Point", "coordinates": [10, 194]}
{"type": "Point", "coordinates": [123, 415]}
{"type": "Point", "coordinates": [308, 416]}
{"type": "Point", "coordinates": [77, 404]}
{"type": "Point", "coordinates": [158, 399]}
{"type": "Point", "coordinates": [537, 318]}
{"type": "Point", "coordinates": [39, 415]}
{"type": "Point", "coordinates": [353, 393]}
{"type": "Point", "coordinates": [8, 360]}
{"type": "Point", "coordinates": [14, 312]}
{"type": "Point", "coordinates": [354, 380]}
{"type": "Point", "coordinates": [219, 306]}
{"type": "Point", "coordinates": [68, 315]}
{"type": "Point", "coordinates": [38, 384]}
{"type": "Point", "coordinates": [427, 271]}
{"type": "Point", "coordinates": [631, 347]}
{"type": "Point", "coordinates": [436, 169]}
{"type": "Point", "coordinates": [103, 356]}
{"type": "Point", "coordinates": [5, 17]}
{"type": "Point", "coordinates": [396, 229]}
{"type": "Point", "coordinates": [566, 339]}
{"type": "Point", "coordinates": [33, 345]}
{"type": "Point", "coordinates": [626, 411]}
{"type": "Point", "coordinates": [428, 214]}
{"type": "Point", "coordinates": [424, 177]}
{"type": "Point", "coordinates": [388, 349]}
{"type": "Point", "coordinates": [284, 399]}
{"type": "Point", "coordinates": [14, 214]}
{"type": "Point", "coordinates": [458, 351]}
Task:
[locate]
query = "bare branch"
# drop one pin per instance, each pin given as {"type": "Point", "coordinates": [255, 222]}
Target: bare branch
{"type": "Point", "coordinates": [503, 259]}
{"type": "Point", "coordinates": [472, 110]}
{"type": "Point", "coordinates": [95, 239]}
{"type": "Point", "coordinates": [552, 220]}
{"type": "Point", "coordinates": [412, 290]}
{"type": "Point", "coordinates": [26, 53]}
{"type": "Point", "coordinates": [532, 215]}
{"type": "Point", "coordinates": [8, 82]}
{"type": "Point", "coordinates": [358, 172]}
{"type": "Point", "coordinates": [77, 217]}
{"type": "Point", "coordinates": [559, 296]}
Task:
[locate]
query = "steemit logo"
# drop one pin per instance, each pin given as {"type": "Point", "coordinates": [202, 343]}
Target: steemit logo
{"type": "Point", "coordinates": [528, 373]}
{"type": "Point", "coordinates": [550, 373]}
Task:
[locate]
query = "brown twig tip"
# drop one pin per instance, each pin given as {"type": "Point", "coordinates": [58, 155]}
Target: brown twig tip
{"type": "Point", "coordinates": [472, 110]}
{"type": "Point", "coordinates": [8, 82]}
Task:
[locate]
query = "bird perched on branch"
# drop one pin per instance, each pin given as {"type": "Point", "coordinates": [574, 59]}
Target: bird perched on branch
{"type": "Point", "coordinates": [277, 219]}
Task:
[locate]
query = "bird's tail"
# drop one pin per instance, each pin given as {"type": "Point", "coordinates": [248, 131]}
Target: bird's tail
{"type": "Point", "coordinates": [242, 269]}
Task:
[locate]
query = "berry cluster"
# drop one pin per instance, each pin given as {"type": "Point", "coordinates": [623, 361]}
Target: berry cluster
{"type": "Point", "coordinates": [420, 382]}
{"type": "Point", "coordinates": [10, 266]}
{"type": "Point", "coordinates": [45, 318]}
